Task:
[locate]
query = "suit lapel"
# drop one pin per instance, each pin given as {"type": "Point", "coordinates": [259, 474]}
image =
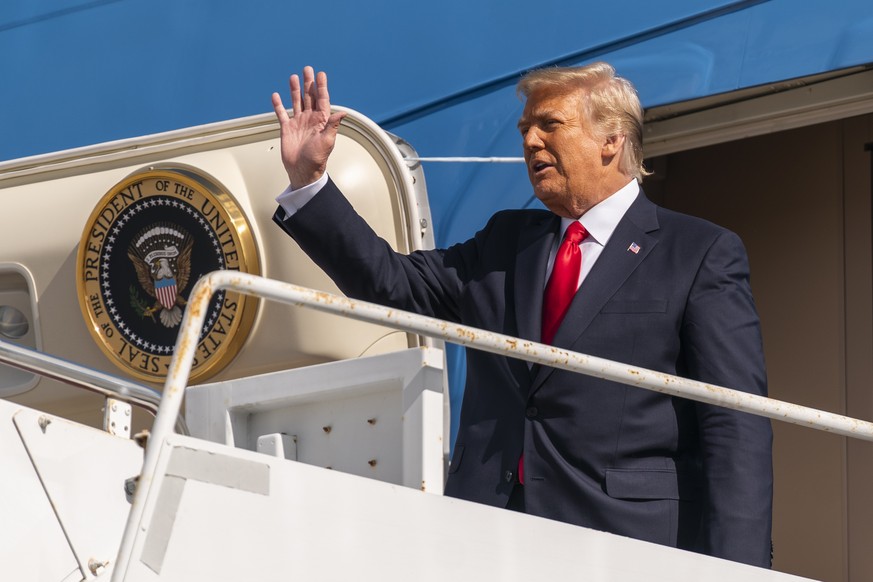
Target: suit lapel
{"type": "Point", "coordinates": [534, 244]}
{"type": "Point", "coordinates": [615, 264]}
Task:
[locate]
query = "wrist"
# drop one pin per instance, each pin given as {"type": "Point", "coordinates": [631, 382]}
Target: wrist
{"type": "Point", "coordinates": [301, 180]}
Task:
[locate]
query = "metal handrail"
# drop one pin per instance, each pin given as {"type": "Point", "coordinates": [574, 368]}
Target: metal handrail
{"type": "Point", "coordinates": [67, 372]}
{"type": "Point", "coordinates": [488, 341]}
{"type": "Point", "coordinates": [197, 308]}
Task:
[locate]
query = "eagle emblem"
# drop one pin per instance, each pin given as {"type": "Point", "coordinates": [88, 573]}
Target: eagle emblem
{"type": "Point", "coordinates": [161, 255]}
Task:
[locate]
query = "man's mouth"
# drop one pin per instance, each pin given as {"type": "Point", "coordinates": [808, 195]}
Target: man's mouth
{"type": "Point", "coordinates": [538, 167]}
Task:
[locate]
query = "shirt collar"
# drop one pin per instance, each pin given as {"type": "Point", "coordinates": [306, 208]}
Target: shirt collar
{"type": "Point", "coordinates": [601, 219]}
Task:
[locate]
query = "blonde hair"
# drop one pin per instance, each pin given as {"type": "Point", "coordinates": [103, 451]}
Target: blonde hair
{"type": "Point", "coordinates": [611, 105]}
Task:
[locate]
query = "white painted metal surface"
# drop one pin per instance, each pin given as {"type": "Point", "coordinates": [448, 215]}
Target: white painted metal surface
{"type": "Point", "coordinates": [278, 444]}
{"type": "Point", "coordinates": [379, 417]}
{"type": "Point", "coordinates": [291, 521]}
{"type": "Point", "coordinates": [34, 548]}
{"type": "Point", "coordinates": [117, 417]}
{"type": "Point", "coordinates": [62, 496]}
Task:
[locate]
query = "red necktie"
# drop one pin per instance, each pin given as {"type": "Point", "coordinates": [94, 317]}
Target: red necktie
{"type": "Point", "coordinates": [560, 290]}
{"type": "Point", "coordinates": [564, 280]}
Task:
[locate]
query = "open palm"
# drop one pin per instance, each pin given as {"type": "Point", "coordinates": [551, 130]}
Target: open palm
{"type": "Point", "coordinates": [308, 136]}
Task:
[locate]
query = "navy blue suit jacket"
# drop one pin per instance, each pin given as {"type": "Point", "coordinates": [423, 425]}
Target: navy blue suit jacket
{"type": "Point", "coordinates": [598, 454]}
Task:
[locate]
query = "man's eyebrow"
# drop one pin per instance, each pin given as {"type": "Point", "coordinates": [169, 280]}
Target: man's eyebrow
{"type": "Point", "coordinates": [526, 119]}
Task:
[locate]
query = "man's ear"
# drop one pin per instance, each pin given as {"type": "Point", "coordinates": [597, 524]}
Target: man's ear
{"type": "Point", "coordinates": [612, 146]}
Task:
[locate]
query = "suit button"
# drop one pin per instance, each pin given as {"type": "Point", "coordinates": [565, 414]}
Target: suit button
{"type": "Point", "coordinates": [508, 475]}
{"type": "Point", "coordinates": [531, 412]}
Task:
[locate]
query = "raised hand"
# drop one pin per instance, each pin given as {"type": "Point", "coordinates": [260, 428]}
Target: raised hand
{"type": "Point", "coordinates": [307, 136]}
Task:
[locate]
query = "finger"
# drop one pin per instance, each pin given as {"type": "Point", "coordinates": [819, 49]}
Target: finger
{"type": "Point", "coordinates": [279, 108]}
{"type": "Point", "coordinates": [322, 100]}
{"type": "Point", "coordinates": [334, 120]}
{"type": "Point", "coordinates": [308, 90]}
{"type": "Point", "coordinates": [296, 105]}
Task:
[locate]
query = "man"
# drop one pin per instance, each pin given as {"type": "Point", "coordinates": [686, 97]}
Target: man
{"type": "Point", "coordinates": [656, 289]}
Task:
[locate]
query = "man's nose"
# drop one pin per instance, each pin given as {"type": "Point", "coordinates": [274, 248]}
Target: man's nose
{"type": "Point", "coordinates": [531, 139]}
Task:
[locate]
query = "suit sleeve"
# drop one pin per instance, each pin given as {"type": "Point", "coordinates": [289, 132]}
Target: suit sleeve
{"type": "Point", "coordinates": [722, 345]}
{"type": "Point", "coordinates": [365, 266]}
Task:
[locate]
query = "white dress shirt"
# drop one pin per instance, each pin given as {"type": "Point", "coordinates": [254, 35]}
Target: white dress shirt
{"type": "Point", "coordinates": [293, 200]}
{"type": "Point", "coordinates": [600, 222]}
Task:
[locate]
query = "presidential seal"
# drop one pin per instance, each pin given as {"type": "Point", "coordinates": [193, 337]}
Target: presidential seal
{"type": "Point", "coordinates": [145, 245]}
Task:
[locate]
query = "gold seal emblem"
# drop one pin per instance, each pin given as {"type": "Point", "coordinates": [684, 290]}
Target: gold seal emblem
{"type": "Point", "coordinates": [150, 238]}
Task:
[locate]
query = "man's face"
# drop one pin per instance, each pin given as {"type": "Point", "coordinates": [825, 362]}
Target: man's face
{"type": "Point", "coordinates": [565, 161]}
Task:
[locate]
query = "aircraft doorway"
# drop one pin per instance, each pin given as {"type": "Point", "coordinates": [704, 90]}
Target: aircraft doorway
{"type": "Point", "coordinates": [801, 201]}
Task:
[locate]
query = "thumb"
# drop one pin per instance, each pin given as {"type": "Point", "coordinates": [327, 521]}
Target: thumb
{"type": "Point", "coordinates": [334, 120]}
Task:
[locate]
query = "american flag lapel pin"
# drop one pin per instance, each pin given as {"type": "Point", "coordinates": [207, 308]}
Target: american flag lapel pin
{"type": "Point", "coordinates": [634, 248]}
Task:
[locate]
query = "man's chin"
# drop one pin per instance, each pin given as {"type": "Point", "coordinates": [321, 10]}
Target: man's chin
{"type": "Point", "coordinates": [548, 198]}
